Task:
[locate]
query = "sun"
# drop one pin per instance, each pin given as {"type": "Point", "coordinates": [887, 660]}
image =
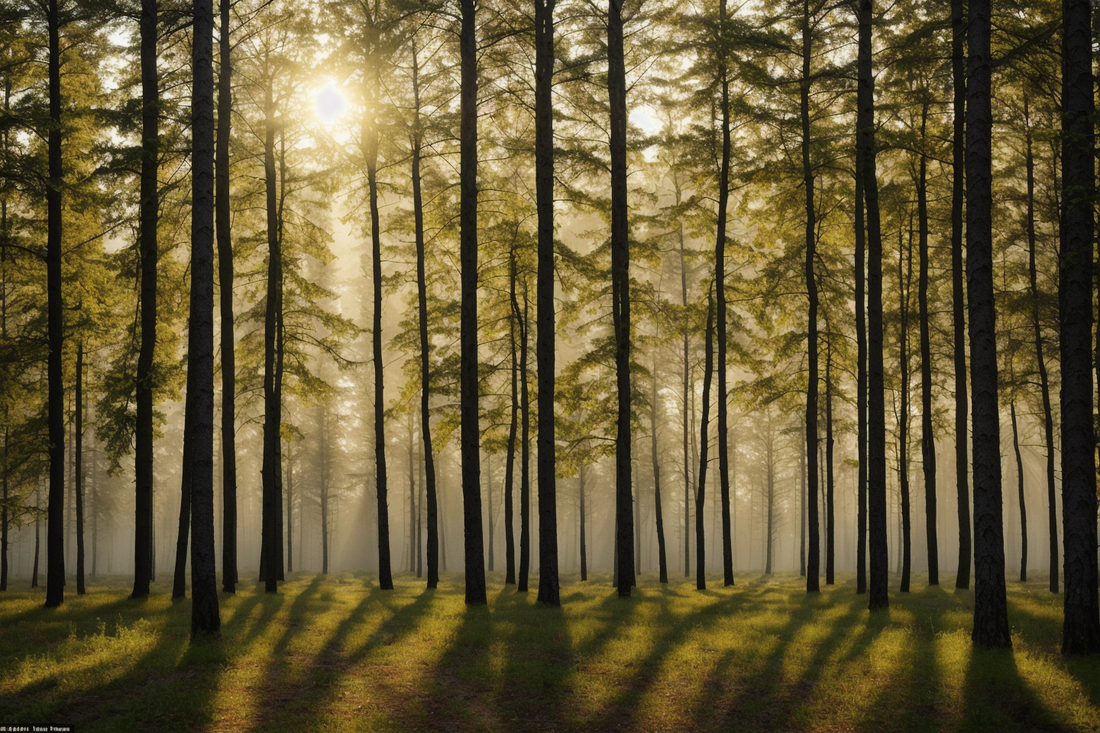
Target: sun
{"type": "Point", "coordinates": [329, 103]}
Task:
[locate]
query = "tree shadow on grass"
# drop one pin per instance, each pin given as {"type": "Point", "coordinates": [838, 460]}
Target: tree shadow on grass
{"type": "Point", "coordinates": [997, 698]}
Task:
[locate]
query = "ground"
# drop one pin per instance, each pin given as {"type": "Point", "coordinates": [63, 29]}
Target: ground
{"type": "Point", "coordinates": [336, 653]}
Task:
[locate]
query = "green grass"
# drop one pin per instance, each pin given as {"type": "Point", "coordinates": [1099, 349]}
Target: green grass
{"type": "Point", "coordinates": [337, 654]}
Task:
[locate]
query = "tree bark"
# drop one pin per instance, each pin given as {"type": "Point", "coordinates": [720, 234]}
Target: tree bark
{"type": "Point", "coordinates": [1020, 491]}
{"type": "Point", "coordinates": [861, 378]}
{"type": "Point", "coordinates": [620, 286]}
{"type": "Point", "coordinates": [813, 560]}
{"type": "Point", "coordinates": [662, 562]}
{"type": "Point", "coordinates": [830, 472]}
{"type": "Point", "coordinates": [958, 164]}
{"type": "Point", "coordinates": [549, 590]}
{"type": "Point", "coordinates": [1081, 606]}
{"type": "Point", "coordinates": [55, 323]}
{"type": "Point", "coordinates": [513, 430]}
{"type": "Point", "coordinates": [205, 619]}
{"type": "Point", "coordinates": [78, 467]}
{"type": "Point", "coordinates": [927, 437]}
{"type": "Point", "coordinates": [876, 412]}
{"type": "Point", "coordinates": [179, 574]}
{"type": "Point", "coordinates": [990, 606]}
{"type": "Point", "coordinates": [470, 434]}
{"type": "Point", "coordinates": [905, 280]}
{"type": "Point", "coordinates": [225, 282]}
{"type": "Point", "coordinates": [684, 408]}
{"type": "Point", "coordinates": [584, 544]}
{"type": "Point", "coordinates": [700, 492]}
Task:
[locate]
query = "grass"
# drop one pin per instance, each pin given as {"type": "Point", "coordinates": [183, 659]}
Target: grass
{"type": "Point", "coordinates": [337, 654]}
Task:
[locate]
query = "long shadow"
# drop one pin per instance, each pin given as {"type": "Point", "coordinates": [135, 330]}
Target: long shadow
{"type": "Point", "coordinates": [997, 698]}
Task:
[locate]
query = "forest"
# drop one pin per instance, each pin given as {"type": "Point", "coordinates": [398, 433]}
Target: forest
{"type": "Point", "coordinates": [483, 293]}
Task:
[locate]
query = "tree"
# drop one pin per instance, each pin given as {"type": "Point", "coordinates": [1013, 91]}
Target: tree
{"type": "Point", "coordinates": [1081, 607]}
{"type": "Point", "coordinates": [544, 297]}
{"type": "Point", "coordinates": [990, 609]}
{"type": "Point", "coordinates": [205, 619]}
{"type": "Point", "coordinates": [700, 534]}
{"type": "Point", "coordinates": [470, 438]}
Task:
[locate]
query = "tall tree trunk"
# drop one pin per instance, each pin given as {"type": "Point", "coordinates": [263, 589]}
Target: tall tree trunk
{"type": "Point", "coordinates": [990, 609]}
{"type": "Point", "coordinates": [425, 343]}
{"type": "Point", "coordinates": [958, 196]}
{"type": "Point", "coordinates": [470, 433]}
{"type": "Point", "coordinates": [289, 508]}
{"type": "Point", "coordinates": [4, 459]}
{"type": "Point", "coordinates": [927, 437]}
{"type": "Point", "coordinates": [662, 562]}
{"type": "Point", "coordinates": [524, 448]}
{"type": "Point", "coordinates": [1040, 357]}
{"type": "Point", "coordinates": [861, 379]}
{"type": "Point", "coordinates": [876, 412]}
{"type": "Point", "coordinates": [513, 429]}
{"type": "Point", "coordinates": [324, 489]}
{"type": "Point", "coordinates": [720, 290]}
{"type": "Point", "coordinates": [179, 575]}
{"type": "Point", "coordinates": [78, 467]}
{"type": "Point", "coordinates": [205, 618]}
{"type": "Point", "coordinates": [802, 504]}
{"type": "Point", "coordinates": [769, 519]}
{"type": "Point", "coordinates": [584, 530]}
{"type": "Point", "coordinates": [620, 287]}
{"type": "Point", "coordinates": [813, 561]}
{"type": "Point", "coordinates": [55, 324]}
{"type": "Point", "coordinates": [225, 282]}
{"type": "Point", "coordinates": [148, 248]}
{"type": "Point", "coordinates": [412, 502]}
{"type": "Point", "coordinates": [37, 534]}
{"type": "Point", "coordinates": [905, 280]}
{"type": "Point", "coordinates": [385, 576]}
{"type": "Point", "coordinates": [830, 472]}
{"type": "Point", "coordinates": [684, 409]}
{"type": "Point", "coordinates": [549, 590]}
{"type": "Point", "coordinates": [270, 545]}
{"type": "Point", "coordinates": [1020, 491]}
{"type": "Point", "coordinates": [700, 493]}
{"type": "Point", "coordinates": [420, 518]}
{"type": "Point", "coordinates": [1081, 607]}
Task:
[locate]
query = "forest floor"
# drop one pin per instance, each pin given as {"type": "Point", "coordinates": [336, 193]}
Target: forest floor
{"type": "Point", "coordinates": [336, 653]}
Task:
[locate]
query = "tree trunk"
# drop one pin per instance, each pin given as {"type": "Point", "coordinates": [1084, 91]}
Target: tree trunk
{"type": "Point", "coordinates": [769, 519]}
{"type": "Point", "coordinates": [412, 503]}
{"type": "Point", "coordinates": [927, 437]}
{"type": "Point", "coordinates": [324, 489]}
{"type": "Point", "coordinates": [549, 589]}
{"type": "Point", "coordinates": [802, 506]}
{"type": "Point", "coordinates": [179, 575]}
{"type": "Point", "coordinates": [55, 324]}
{"type": "Point", "coordinates": [584, 544]}
{"type": "Point", "coordinates": [1081, 607]}
{"type": "Point", "coordinates": [425, 343]}
{"type": "Point", "coordinates": [270, 546]}
{"type": "Point", "coordinates": [524, 448]}
{"type": "Point", "coordinates": [905, 280]}
{"type": "Point", "coordinates": [861, 379]}
{"type": "Point", "coordinates": [813, 561]}
{"type": "Point", "coordinates": [620, 287]}
{"type": "Point", "coordinates": [662, 563]}
{"type": "Point", "coordinates": [289, 509]}
{"type": "Point", "coordinates": [720, 290]}
{"type": "Point", "coordinates": [205, 619]}
{"type": "Point", "coordinates": [684, 410]}
{"type": "Point", "coordinates": [990, 609]}
{"type": "Point", "coordinates": [225, 282]}
{"type": "Point", "coordinates": [470, 433]}
{"type": "Point", "coordinates": [876, 413]}
{"type": "Point", "coordinates": [1020, 491]}
{"type": "Point", "coordinates": [962, 479]}
{"type": "Point", "coordinates": [385, 577]}
{"type": "Point", "coordinates": [37, 534]}
{"type": "Point", "coordinates": [830, 472]}
{"type": "Point", "coordinates": [513, 429]}
{"type": "Point", "coordinates": [78, 467]}
{"type": "Point", "coordinates": [700, 493]}
{"type": "Point", "coordinates": [1040, 357]}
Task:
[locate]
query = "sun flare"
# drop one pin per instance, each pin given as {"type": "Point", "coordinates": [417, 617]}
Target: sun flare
{"type": "Point", "coordinates": [330, 104]}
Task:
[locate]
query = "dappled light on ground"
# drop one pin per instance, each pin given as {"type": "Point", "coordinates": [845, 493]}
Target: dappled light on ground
{"type": "Point", "coordinates": [336, 653]}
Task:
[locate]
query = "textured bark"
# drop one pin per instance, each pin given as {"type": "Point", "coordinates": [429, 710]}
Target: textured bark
{"type": "Point", "coordinates": [148, 249]}
{"type": "Point", "coordinates": [205, 619]}
{"type": "Point", "coordinates": [813, 559]}
{"type": "Point", "coordinates": [905, 278]}
{"type": "Point", "coordinates": [425, 342]}
{"type": "Point", "coordinates": [861, 379]}
{"type": "Point", "coordinates": [270, 544]}
{"type": "Point", "coordinates": [927, 437]}
{"type": "Point", "coordinates": [720, 293]}
{"type": "Point", "coordinates": [990, 606]}
{"type": "Point", "coordinates": [962, 462]}
{"type": "Point", "coordinates": [658, 509]}
{"type": "Point", "coordinates": [700, 491]}
{"type": "Point", "coordinates": [225, 283]}
{"type": "Point", "coordinates": [55, 323]}
{"type": "Point", "coordinates": [686, 387]}
{"type": "Point", "coordinates": [549, 592]}
{"type": "Point", "coordinates": [520, 315]}
{"type": "Point", "coordinates": [876, 412]}
{"type": "Point", "coordinates": [78, 466]}
{"type": "Point", "coordinates": [183, 527]}
{"type": "Point", "coordinates": [1020, 492]}
{"type": "Point", "coordinates": [513, 430]}
{"type": "Point", "coordinates": [470, 434]}
{"type": "Point", "coordinates": [620, 288]}
{"type": "Point", "coordinates": [830, 472]}
{"type": "Point", "coordinates": [1081, 606]}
